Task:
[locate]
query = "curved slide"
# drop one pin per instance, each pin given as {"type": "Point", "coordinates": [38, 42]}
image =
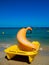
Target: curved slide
{"type": "Point", "coordinates": [24, 43]}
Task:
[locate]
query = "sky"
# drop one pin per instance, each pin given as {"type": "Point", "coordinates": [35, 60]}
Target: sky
{"type": "Point", "coordinates": [22, 13]}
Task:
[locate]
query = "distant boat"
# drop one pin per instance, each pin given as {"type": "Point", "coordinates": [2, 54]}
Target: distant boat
{"type": "Point", "coordinates": [3, 33]}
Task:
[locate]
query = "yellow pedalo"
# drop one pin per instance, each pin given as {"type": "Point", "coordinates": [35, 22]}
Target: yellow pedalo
{"type": "Point", "coordinates": [18, 49]}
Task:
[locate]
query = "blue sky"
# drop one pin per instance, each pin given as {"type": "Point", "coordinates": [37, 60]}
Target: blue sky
{"type": "Point", "coordinates": [18, 13]}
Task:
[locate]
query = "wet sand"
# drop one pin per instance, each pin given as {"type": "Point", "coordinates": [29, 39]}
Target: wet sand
{"type": "Point", "coordinates": [42, 58]}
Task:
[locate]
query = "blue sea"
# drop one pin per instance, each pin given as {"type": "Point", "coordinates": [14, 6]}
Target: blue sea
{"type": "Point", "coordinates": [41, 34]}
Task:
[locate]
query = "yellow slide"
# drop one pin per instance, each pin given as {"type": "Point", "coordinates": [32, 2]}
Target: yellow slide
{"type": "Point", "coordinates": [24, 46]}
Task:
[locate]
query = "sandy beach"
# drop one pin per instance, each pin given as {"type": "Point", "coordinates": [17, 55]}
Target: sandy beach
{"type": "Point", "coordinates": [42, 58]}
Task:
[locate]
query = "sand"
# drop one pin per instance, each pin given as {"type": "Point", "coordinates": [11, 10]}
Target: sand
{"type": "Point", "coordinates": [42, 58]}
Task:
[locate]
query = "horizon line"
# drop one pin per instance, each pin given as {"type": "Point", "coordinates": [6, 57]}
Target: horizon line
{"type": "Point", "coordinates": [25, 27]}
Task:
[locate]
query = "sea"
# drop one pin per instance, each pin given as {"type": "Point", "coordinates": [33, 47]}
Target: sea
{"type": "Point", "coordinates": [9, 35]}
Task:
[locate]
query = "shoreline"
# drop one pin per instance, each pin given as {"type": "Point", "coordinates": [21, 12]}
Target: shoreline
{"type": "Point", "coordinates": [6, 45]}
